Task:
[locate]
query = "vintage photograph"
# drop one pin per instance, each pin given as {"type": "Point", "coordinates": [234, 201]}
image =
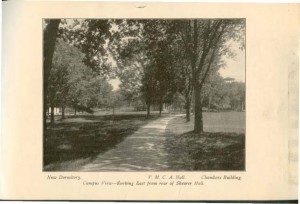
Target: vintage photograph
{"type": "Point", "coordinates": [123, 95]}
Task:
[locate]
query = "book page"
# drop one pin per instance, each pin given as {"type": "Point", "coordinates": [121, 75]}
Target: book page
{"type": "Point", "coordinates": [106, 149]}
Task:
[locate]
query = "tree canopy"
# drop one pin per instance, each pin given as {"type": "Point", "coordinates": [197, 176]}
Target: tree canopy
{"type": "Point", "coordinates": [158, 61]}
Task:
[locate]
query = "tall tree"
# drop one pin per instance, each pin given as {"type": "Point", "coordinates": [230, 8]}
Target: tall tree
{"type": "Point", "coordinates": [58, 86]}
{"type": "Point", "coordinates": [134, 59]}
{"type": "Point", "coordinates": [165, 74]}
{"type": "Point", "coordinates": [131, 61]}
{"type": "Point", "coordinates": [49, 38]}
{"type": "Point", "coordinates": [160, 81]}
{"type": "Point", "coordinates": [180, 30]}
{"type": "Point", "coordinates": [73, 83]}
{"type": "Point", "coordinates": [208, 39]}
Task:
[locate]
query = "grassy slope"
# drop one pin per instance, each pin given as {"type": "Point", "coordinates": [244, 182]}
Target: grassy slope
{"type": "Point", "coordinates": [207, 151]}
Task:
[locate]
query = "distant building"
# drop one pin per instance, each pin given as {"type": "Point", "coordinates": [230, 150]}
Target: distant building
{"type": "Point", "coordinates": [228, 80]}
{"type": "Point", "coordinates": [57, 111]}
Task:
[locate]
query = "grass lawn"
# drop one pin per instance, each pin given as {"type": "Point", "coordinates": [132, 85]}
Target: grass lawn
{"type": "Point", "coordinates": [220, 147]}
{"type": "Point", "coordinates": [81, 138]}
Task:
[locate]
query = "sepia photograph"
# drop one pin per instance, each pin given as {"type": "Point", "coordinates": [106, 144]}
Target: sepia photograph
{"type": "Point", "coordinates": [126, 95]}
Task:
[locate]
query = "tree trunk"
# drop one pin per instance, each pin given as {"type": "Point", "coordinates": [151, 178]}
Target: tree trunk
{"type": "Point", "coordinates": [198, 128]}
{"type": "Point", "coordinates": [188, 101]}
{"type": "Point", "coordinates": [148, 111]}
{"type": "Point", "coordinates": [75, 110]}
{"type": "Point", "coordinates": [113, 113]}
{"type": "Point", "coordinates": [52, 114]}
{"type": "Point", "coordinates": [50, 34]}
{"type": "Point", "coordinates": [209, 103]}
{"type": "Point", "coordinates": [192, 101]}
{"type": "Point", "coordinates": [62, 112]}
{"type": "Point", "coordinates": [188, 111]}
{"type": "Point", "coordinates": [45, 113]}
{"type": "Point", "coordinates": [160, 108]}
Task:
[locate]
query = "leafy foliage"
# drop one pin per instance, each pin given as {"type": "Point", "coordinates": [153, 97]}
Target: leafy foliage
{"type": "Point", "coordinates": [155, 60]}
{"type": "Point", "coordinates": [74, 84]}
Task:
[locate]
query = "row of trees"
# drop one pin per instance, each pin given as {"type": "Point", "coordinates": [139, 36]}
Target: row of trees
{"type": "Point", "coordinates": [156, 60]}
{"type": "Point", "coordinates": [218, 94]}
{"type": "Point", "coordinates": [223, 94]}
{"type": "Point", "coordinates": [176, 56]}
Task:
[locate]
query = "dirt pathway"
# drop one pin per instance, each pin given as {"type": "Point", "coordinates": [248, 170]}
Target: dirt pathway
{"type": "Point", "coordinates": [144, 150]}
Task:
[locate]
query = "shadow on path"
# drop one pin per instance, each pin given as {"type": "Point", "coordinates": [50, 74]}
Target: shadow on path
{"type": "Point", "coordinates": [142, 151]}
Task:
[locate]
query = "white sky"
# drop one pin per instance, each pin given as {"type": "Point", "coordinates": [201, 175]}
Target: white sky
{"type": "Point", "coordinates": [115, 83]}
{"type": "Point", "coordinates": [235, 68]}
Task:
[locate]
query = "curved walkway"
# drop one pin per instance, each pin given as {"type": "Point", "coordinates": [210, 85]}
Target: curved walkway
{"type": "Point", "coordinates": [142, 151]}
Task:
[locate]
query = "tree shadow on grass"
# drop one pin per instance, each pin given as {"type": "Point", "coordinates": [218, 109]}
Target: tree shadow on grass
{"type": "Point", "coordinates": [67, 141]}
{"type": "Point", "coordinates": [207, 151]}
